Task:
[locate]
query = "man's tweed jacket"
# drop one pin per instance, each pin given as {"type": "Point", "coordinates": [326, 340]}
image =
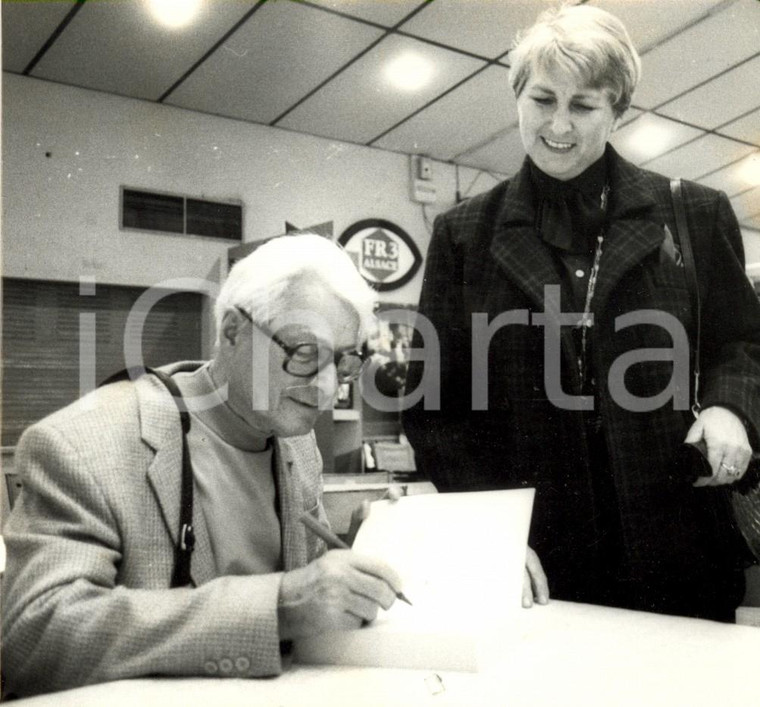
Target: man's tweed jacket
{"type": "Point", "coordinates": [91, 542]}
{"type": "Point", "coordinates": [487, 257]}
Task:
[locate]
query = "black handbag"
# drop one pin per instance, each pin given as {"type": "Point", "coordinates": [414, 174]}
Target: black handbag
{"type": "Point", "coordinates": [744, 495]}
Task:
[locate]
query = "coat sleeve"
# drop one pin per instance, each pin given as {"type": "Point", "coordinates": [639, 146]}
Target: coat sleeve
{"type": "Point", "coordinates": [730, 321]}
{"type": "Point", "coordinates": [66, 620]}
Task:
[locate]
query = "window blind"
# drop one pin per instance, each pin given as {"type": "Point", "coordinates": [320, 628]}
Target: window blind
{"type": "Point", "coordinates": [41, 347]}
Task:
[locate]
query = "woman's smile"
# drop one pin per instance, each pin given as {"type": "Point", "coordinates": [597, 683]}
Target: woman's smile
{"type": "Point", "coordinates": [558, 146]}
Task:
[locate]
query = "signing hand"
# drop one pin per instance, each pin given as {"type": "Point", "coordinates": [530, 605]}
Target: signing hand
{"type": "Point", "coordinates": [535, 584]}
{"type": "Point", "coordinates": [728, 450]}
{"type": "Point", "coordinates": [338, 591]}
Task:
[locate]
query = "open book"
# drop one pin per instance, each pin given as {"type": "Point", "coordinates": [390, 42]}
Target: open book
{"type": "Point", "coordinates": [462, 558]}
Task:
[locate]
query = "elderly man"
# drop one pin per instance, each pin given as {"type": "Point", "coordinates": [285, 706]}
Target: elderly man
{"type": "Point", "coordinates": [101, 582]}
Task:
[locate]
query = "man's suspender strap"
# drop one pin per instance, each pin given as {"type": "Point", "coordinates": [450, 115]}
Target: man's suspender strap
{"type": "Point", "coordinates": [690, 270]}
{"type": "Point", "coordinates": [184, 548]}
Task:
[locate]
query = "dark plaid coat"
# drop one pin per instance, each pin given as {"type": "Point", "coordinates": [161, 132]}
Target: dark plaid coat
{"type": "Point", "coordinates": [486, 257]}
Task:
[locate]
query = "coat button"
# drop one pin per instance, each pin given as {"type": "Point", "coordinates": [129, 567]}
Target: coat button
{"type": "Point", "coordinates": [211, 667]}
{"type": "Point", "coordinates": [242, 664]}
{"type": "Point", "coordinates": [225, 665]}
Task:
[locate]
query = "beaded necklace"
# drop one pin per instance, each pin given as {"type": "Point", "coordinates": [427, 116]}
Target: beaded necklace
{"type": "Point", "coordinates": [586, 321]}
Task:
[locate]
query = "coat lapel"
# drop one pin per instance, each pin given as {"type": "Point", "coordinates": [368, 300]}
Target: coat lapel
{"type": "Point", "coordinates": [526, 260]}
{"type": "Point", "coordinates": [517, 247]}
{"type": "Point", "coordinates": [160, 429]}
{"type": "Point", "coordinates": [291, 503]}
{"type": "Point", "coordinates": [633, 232]}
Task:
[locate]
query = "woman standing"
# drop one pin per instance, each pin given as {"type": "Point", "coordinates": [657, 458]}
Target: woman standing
{"type": "Point", "coordinates": [571, 410]}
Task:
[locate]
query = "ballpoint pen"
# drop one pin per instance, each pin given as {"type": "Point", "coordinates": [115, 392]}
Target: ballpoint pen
{"type": "Point", "coordinates": [333, 541]}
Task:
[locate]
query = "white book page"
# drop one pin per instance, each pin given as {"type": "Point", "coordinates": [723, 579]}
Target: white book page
{"type": "Point", "coordinates": [460, 555]}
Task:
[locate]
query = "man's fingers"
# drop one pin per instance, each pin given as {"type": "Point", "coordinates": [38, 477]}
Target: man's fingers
{"type": "Point", "coordinates": [395, 492]}
{"type": "Point", "coordinates": [378, 569]}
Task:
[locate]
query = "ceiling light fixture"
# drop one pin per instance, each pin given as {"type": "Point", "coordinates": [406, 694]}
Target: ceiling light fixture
{"type": "Point", "coordinates": [174, 13]}
{"type": "Point", "coordinates": [749, 171]}
{"type": "Point", "coordinates": [646, 138]}
{"type": "Point", "coordinates": [409, 72]}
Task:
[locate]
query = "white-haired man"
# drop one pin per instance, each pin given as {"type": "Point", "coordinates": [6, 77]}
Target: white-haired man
{"type": "Point", "coordinates": [96, 588]}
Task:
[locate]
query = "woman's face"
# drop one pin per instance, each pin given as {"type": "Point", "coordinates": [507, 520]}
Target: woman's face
{"type": "Point", "coordinates": [564, 126]}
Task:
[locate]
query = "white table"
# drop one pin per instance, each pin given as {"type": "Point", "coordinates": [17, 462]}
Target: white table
{"type": "Point", "coordinates": [557, 655]}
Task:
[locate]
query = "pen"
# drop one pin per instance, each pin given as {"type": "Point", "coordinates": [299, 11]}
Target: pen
{"type": "Point", "coordinates": [333, 541]}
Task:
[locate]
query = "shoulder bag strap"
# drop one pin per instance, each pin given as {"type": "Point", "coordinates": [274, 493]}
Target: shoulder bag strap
{"type": "Point", "coordinates": [690, 270]}
{"type": "Point", "coordinates": [186, 544]}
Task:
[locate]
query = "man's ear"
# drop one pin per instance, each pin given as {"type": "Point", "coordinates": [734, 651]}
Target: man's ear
{"type": "Point", "coordinates": [230, 328]}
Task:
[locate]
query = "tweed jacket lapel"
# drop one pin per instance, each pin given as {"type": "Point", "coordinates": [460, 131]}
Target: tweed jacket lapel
{"type": "Point", "coordinates": [160, 429]}
{"type": "Point", "coordinates": [291, 504]}
{"type": "Point", "coordinates": [633, 232]}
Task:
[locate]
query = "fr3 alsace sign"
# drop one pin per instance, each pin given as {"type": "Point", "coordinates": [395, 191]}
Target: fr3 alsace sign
{"type": "Point", "coordinates": [385, 254]}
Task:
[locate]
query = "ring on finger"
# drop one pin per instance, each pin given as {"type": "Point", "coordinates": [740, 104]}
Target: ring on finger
{"type": "Point", "coordinates": [731, 469]}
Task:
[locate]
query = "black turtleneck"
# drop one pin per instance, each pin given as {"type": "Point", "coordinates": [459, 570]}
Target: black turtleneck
{"type": "Point", "coordinates": [568, 213]}
{"type": "Point", "coordinates": [569, 218]}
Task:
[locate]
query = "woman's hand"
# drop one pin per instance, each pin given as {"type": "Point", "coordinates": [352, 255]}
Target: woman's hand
{"type": "Point", "coordinates": [728, 450]}
{"type": "Point", "coordinates": [535, 584]}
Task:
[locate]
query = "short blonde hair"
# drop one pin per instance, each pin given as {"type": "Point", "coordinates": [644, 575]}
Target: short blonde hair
{"type": "Point", "coordinates": [260, 282]}
{"type": "Point", "coordinates": [586, 41]}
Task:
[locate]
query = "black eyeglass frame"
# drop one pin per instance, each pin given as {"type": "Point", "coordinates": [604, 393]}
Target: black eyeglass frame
{"type": "Point", "coordinates": [290, 351]}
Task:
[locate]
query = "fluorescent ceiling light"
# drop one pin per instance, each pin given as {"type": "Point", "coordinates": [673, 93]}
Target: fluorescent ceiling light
{"type": "Point", "coordinates": [174, 13]}
{"type": "Point", "coordinates": [409, 71]}
{"type": "Point", "coordinates": [647, 137]}
{"type": "Point", "coordinates": [749, 170]}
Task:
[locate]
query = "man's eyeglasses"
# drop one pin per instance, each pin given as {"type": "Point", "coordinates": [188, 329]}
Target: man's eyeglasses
{"type": "Point", "coordinates": [307, 359]}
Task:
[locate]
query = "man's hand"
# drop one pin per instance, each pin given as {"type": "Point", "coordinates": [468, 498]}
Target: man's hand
{"type": "Point", "coordinates": [337, 591]}
{"type": "Point", "coordinates": [535, 584]}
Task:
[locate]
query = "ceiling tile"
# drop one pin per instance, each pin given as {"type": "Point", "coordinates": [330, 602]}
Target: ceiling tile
{"type": "Point", "coordinates": [119, 47]}
{"type": "Point", "coordinates": [385, 13]}
{"type": "Point", "coordinates": [360, 103]}
{"type": "Point", "coordinates": [699, 157]}
{"type": "Point", "coordinates": [736, 178]}
{"type": "Point", "coordinates": [483, 27]}
{"type": "Point", "coordinates": [280, 54]}
{"type": "Point", "coordinates": [26, 27]}
{"type": "Point", "coordinates": [747, 204]}
{"type": "Point", "coordinates": [649, 136]}
{"type": "Point", "coordinates": [504, 154]}
{"type": "Point", "coordinates": [650, 22]}
{"type": "Point", "coordinates": [467, 116]}
{"type": "Point", "coordinates": [746, 128]}
{"type": "Point", "coordinates": [695, 56]}
{"type": "Point", "coordinates": [722, 99]}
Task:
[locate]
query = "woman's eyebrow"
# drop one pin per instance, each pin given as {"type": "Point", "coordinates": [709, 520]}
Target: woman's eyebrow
{"type": "Point", "coordinates": [539, 87]}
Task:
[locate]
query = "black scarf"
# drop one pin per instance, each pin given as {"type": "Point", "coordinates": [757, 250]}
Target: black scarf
{"type": "Point", "coordinates": [568, 213]}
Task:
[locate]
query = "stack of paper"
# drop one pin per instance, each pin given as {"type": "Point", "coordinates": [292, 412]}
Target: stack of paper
{"type": "Point", "coordinates": [461, 557]}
